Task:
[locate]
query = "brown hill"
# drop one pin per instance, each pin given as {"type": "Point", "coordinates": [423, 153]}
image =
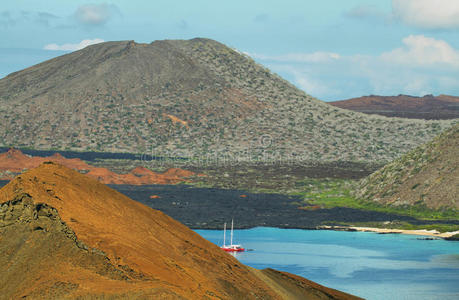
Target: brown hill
{"type": "Point", "coordinates": [428, 107]}
{"type": "Point", "coordinates": [65, 235]}
{"type": "Point", "coordinates": [14, 162]}
{"type": "Point", "coordinates": [428, 176]}
{"type": "Point", "coordinates": [195, 98]}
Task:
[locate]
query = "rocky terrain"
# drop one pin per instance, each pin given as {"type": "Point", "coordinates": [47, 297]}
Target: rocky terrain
{"type": "Point", "coordinates": [13, 162]}
{"type": "Point", "coordinates": [65, 235]}
{"type": "Point", "coordinates": [189, 98]}
{"type": "Point", "coordinates": [429, 107]}
{"type": "Point", "coordinates": [427, 176]}
{"type": "Point", "coordinates": [209, 208]}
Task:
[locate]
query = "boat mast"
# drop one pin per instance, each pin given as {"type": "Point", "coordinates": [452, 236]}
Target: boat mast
{"type": "Point", "coordinates": [224, 234]}
{"type": "Point", "coordinates": [231, 232]}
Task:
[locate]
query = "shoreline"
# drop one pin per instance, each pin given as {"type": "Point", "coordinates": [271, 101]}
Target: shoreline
{"type": "Point", "coordinates": [418, 232]}
{"type": "Point", "coordinates": [422, 232]}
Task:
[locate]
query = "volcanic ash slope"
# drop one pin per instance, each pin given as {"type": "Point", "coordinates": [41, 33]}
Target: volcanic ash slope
{"type": "Point", "coordinates": [188, 98]}
{"type": "Point", "coordinates": [427, 176]}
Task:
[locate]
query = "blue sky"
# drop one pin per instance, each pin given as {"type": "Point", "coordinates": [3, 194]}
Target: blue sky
{"type": "Point", "coordinates": [333, 49]}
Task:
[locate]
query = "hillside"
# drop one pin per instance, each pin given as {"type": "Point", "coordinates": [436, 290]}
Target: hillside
{"type": "Point", "coordinates": [428, 107]}
{"type": "Point", "coordinates": [188, 98]}
{"type": "Point", "coordinates": [14, 162]}
{"type": "Point", "coordinates": [428, 176]}
{"type": "Point", "coordinates": [65, 235]}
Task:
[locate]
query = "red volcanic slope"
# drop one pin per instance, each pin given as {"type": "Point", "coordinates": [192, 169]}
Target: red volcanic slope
{"type": "Point", "coordinates": [68, 233]}
{"type": "Point", "coordinates": [442, 106]}
{"type": "Point", "coordinates": [15, 161]}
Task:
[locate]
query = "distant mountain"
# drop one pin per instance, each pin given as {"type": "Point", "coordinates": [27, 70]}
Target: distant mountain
{"type": "Point", "coordinates": [15, 162]}
{"type": "Point", "coordinates": [67, 236]}
{"type": "Point", "coordinates": [428, 175]}
{"type": "Point", "coordinates": [429, 107]}
{"type": "Point", "coordinates": [195, 98]}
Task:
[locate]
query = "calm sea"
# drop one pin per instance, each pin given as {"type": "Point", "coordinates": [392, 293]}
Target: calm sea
{"type": "Point", "coordinates": [369, 265]}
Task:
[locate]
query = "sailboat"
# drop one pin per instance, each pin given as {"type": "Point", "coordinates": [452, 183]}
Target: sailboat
{"type": "Point", "coordinates": [231, 247]}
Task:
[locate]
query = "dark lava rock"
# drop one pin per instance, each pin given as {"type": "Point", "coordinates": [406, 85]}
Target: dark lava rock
{"type": "Point", "coordinates": [209, 208]}
{"type": "Point", "coordinates": [453, 238]}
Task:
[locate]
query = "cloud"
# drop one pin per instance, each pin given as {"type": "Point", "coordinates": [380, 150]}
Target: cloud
{"type": "Point", "coordinates": [419, 50]}
{"type": "Point", "coordinates": [73, 47]}
{"type": "Point", "coordinates": [95, 14]}
{"type": "Point", "coordinates": [314, 87]}
{"type": "Point", "coordinates": [315, 57]}
{"type": "Point", "coordinates": [12, 18]}
{"type": "Point", "coordinates": [427, 14]}
{"type": "Point", "coordinates": [420, 65]}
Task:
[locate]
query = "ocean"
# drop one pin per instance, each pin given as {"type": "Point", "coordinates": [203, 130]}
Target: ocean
{"type": "Point", "coordinates": [369, 265]}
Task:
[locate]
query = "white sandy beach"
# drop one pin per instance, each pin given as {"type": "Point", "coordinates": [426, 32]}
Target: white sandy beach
{"type": "Point", "coordinates": [404, 231]}
{"type": "Point", "coordinates": [433, 233]}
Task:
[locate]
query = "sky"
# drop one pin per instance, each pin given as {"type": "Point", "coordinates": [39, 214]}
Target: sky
{"type": "Point", "coordinates": [332, 49]}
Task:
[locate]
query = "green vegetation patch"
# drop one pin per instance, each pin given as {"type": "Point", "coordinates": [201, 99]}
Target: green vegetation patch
{"type": "Point", "coordinates": [329, 193]}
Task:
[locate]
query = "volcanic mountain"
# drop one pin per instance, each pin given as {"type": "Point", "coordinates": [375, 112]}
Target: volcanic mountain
{"type": "Point", "coordinates": [14, 162]}
{"type": "Point", "coordinates": [403, 106]}
{"type": "Point", "coordinates": [188, 98]}
{"type": "Point", "coordinates": [428, 176]}
{"type": "Point", "coordinates": [65, 235]}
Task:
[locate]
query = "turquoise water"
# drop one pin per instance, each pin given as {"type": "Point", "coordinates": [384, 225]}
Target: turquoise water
{"type": "Point", "coordinates": [369, 265]}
